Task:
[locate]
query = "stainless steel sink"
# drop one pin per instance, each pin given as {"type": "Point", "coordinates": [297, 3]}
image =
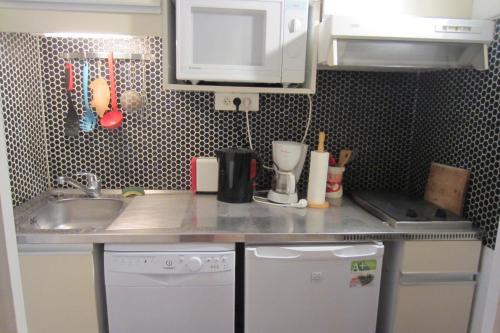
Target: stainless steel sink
{"type": "Point", "coordinates": [77, 213]}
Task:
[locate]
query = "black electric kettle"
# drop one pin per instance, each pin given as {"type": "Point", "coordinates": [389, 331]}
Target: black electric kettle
{"type": "Point", "coordinates": [237, 173]}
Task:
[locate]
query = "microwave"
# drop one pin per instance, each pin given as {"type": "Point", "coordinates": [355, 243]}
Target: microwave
{"type": "Point", "coordinates": [251, 41]}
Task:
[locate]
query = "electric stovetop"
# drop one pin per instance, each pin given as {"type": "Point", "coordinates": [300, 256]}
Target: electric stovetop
{"type": "Point", "coordinates": [399, 209]}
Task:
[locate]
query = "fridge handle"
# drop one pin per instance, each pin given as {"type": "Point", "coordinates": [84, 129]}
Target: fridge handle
{"type": "Point", "coordinates": [356, 252]}
{"type": "Point", "coordinates": [274, 253]}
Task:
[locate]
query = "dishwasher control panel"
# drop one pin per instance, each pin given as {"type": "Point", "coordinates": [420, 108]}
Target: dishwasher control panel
{"type": "Point", "coordinates": [173, 263]}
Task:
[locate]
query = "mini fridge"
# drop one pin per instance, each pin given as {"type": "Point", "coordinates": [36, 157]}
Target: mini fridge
{"type": "Point", "coordinates": [312, 288]}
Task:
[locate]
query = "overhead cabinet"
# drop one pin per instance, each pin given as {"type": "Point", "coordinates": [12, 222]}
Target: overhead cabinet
{"type": "Point", "coordinates": [241, 45]}
{"type": "Point", "coordinates": [112, 6]}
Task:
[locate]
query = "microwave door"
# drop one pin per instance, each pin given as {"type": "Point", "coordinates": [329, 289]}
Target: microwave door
{"type": "Point", "coordinates": [229, 40]}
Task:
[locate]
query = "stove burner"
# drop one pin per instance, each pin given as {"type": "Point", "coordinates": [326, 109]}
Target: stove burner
{"type": "Point", "coordinates": [399, 209]}
{"type": "Point", "coordinates": [411, 213]}
{"type": "Point", "coordinates": [441, 213]}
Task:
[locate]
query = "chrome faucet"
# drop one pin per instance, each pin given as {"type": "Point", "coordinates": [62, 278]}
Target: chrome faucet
{"type": "Point", "coordinates": [93, 188]}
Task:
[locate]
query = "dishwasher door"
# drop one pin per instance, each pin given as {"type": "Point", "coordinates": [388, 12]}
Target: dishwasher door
{"type": "Point", "coordinates": [163, 292]}
{"type": "Point", "coordinates": [320, 289]}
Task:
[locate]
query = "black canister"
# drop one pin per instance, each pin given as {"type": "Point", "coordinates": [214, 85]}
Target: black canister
{"type": "Point", "coordinates": [237, 173]}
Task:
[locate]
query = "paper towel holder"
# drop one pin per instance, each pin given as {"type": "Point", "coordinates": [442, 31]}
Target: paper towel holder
{"type": "Point", "coordinates": [318, 170]}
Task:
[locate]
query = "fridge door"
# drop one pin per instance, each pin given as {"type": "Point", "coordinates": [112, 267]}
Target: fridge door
{"type": "Point", "coordinates": [330, 288]}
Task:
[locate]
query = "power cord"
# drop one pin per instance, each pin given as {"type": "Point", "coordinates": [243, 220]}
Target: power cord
{"type": "Point", "coordinates": [246, 105]}
{"type": "Point", "coordinates": [308, 125]}
{"type": "Point", "coordinates": [301, 204]}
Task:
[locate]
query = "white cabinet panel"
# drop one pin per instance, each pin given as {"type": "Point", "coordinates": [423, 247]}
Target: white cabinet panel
{"type": "Point", "coordinates": [60, 292]}
{"type": "Point", "coordinates": [486, 9]}
{"type": "Point", "coordinates": [428, 286]}
{"type": "Point", "coordinates": [434, 308]}
{"type": "Point", "coordinates": [441, 256]}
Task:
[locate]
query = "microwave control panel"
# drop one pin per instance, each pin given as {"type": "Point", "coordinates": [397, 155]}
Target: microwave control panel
{"type": "Point", "coordinates": [295, 18]}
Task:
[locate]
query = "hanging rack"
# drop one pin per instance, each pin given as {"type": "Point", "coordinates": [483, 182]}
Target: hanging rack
{"type": "Point", "coordinates": [104, 55]}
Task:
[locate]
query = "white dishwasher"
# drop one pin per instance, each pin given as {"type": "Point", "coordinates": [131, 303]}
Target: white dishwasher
{"type": "Point", "coordinates": [178, 288]}
{"type": "Point", "coordinates": [313, 288]}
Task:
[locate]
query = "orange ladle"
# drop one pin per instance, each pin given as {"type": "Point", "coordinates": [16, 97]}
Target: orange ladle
{"type": "Point", "coordinates": [113, 118]}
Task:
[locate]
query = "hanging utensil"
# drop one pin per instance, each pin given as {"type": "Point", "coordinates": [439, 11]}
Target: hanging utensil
{"type": "Point", "coordinates": [71, 123]}
{"type": "Point", "coordinates": [114, 118]}
{"type": "Point", "coordinates": [131, 100]}
{"type": "Point", "coordinates": [88, 121]}
{"type": "Point", "coordinates": [100, 94]}
{"type": "Point", "coordinates": [344, 157]}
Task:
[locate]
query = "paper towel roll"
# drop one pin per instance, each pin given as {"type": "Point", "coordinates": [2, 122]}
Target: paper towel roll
{"type": "Point", "coordinates": [318, 172]}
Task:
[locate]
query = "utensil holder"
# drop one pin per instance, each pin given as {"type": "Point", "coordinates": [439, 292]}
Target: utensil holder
{"type": "Point", "coordinates": [334, 182]}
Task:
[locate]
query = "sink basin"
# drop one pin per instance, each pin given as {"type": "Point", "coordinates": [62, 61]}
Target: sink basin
{"type": "Point", "coordinates": [77, 213]}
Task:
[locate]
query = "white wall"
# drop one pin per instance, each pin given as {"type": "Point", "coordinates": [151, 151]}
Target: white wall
{"type": "Point", "coordinates": [486, 9]}
{"type": "Point", "coordinates": [12, 314]}
{"type": "Point", "coordinates": [37, 21]}
{"type": "Point", "coordinates": [7, 313]}
{"type": "Point", "coordinates": [487, 292]}
{"type": "Point", "coordinates": [497, 322]}
{"type": "Point", "coordinates": [426, 8]}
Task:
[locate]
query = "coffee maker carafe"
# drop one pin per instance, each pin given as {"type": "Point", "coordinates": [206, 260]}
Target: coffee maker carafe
{"type": "Point", "coordinates": [288, 162]}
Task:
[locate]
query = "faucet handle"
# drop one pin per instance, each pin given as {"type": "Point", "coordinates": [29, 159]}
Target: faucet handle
{"type": "Point", "coordinates": [61, 180]}
{"type": "Point", "coordinates": [92, 180]}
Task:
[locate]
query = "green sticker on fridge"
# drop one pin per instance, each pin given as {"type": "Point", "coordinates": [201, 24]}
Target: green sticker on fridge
{"type": "Point", "coordinates": [363, 265]}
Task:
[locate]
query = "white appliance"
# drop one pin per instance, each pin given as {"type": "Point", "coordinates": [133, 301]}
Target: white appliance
{"type": "Point", "coordinates": [288, 162]}
{"type": "Point", "coordinates": [178, 288]}
{"type": "Point", "coordinates": [204, 174]}
{"type": "Point", "coordinates": [261, 41]}
{"type": "Point", "coordinates": [313, 288]}
{"type": "Point", "coordinates": [403, 42]}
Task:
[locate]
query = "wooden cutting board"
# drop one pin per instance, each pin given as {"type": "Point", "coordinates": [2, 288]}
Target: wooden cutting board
{"type": "Point", "coordinates": [446, 187]}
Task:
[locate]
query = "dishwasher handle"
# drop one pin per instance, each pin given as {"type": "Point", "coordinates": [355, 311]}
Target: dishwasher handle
{"type": "Point", "coordinates": [316, 252]}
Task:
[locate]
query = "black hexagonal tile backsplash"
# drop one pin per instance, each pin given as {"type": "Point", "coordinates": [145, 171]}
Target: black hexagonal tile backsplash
{"type": "Point", "coordinates": [399, 123]}
{"type": "Point", "coordinates": [369, 111]}
{"type": "Point", "coordinates": [457, 122]}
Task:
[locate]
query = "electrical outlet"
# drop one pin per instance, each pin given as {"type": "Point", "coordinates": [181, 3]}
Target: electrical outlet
{"type": "Point", "coordinates": [224, 102]}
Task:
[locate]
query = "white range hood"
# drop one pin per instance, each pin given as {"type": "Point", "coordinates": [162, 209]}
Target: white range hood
{"type": "Point", "coordinates": [403, 43]}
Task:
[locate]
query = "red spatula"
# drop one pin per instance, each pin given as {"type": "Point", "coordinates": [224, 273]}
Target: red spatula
{"type": "Point", "coordinates": [113, 118]}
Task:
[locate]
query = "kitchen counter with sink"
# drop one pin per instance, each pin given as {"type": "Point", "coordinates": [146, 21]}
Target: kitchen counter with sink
{"type": "Point", "coordinates": [180, 216]}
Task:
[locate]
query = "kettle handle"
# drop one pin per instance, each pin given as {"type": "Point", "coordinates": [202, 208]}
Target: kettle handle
{"type": "Point", "coordinates": [255, 167]}
{"type": "Point", "coordinates": [253, 172]}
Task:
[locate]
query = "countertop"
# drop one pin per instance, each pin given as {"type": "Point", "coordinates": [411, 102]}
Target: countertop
{"type": "Point", "coordinates": [162, 217]}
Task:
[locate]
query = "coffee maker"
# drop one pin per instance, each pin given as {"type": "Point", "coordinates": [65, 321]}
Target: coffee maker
{"type": "Point", "coordinates": [288, 162]}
